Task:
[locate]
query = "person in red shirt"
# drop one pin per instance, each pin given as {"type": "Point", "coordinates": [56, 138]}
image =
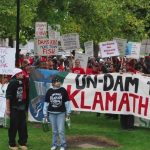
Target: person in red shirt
{"type": "Point", "coordinates": [127, 121]}
{"type": "Point", "coordinates": [78, 69]}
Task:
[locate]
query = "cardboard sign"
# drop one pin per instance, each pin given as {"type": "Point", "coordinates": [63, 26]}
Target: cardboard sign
{"type": "Point", "coordinates": [41, 29]}
{"type": "Point", "coordinates": [70, 41]}
{"type": "Point", "coordinates": [89, 48]}
{"type": "Point", "coordinates": [7, 60]}
{"type": "Point", "coordinates": [133, 50]}
{"type": "Point", "coordinates": [108, 49]}
{"type": "Point", "coordinates": [46, 47]}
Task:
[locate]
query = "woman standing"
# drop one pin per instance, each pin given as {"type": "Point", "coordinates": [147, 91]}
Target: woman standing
{"type": "Point", "coordinates": [57, 105]}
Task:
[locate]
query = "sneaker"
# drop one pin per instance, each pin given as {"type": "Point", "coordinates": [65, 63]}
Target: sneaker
{"type": "Point", "coordinates": [53, 148]}
{"type": "Point", "coordinates": [23, 147]}
{"type": "Point", "coordinates": [13, 147]}
{"type": "Point", "coordinates": [62, 148]}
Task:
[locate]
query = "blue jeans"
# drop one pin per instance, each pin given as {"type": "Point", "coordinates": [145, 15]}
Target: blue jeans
{"type": "Point", "coordinates": [58, 128]}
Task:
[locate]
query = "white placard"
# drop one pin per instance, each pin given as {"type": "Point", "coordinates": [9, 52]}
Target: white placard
{"type": "Point", "coordinates": [121, 43]}
{"type": "Point", "coordinates": [145, 47]}
{"type": "Point", "coordinates": [41, 29]}
{"type": "Point", "coordinates": [133, 50]}
{"type": "Point", "coordinates": [108, 49]}
{"type": "Point", "coordinates": [70, 41]}
{"type": "Point", "coordinates": [46, 47]}
{"type": "Point", "coordinates": [89, 48]}
{"type": "Point", "coordinates": [7, 60]}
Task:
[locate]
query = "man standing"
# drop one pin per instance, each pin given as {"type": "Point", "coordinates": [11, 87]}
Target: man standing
{"type": "Point", "coordinates": [15, 109]}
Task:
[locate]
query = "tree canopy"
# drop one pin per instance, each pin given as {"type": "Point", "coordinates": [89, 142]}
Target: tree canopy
{"type": "Point", "coordinates": [97, 20]}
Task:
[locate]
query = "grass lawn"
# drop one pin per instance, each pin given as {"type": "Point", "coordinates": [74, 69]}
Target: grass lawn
{"type": "Point", "coordinates": [87, 124]}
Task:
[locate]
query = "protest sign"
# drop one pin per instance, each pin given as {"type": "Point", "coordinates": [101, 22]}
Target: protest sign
{"type": "Point", "coordinates": [145, 47]}
{"type": "Point", "coordinates": [121, 43]}
{"type": "Point", "coordinates": [83, 59]}
{"type": "Point", "coordinates": [89, 48]}
{"type": "Point", "coordinates": [108, 49]}
{"type": "Point", "coordinates": [133, 50]}
{"type": "Point", "coordinates": [70, 41]}
{"type": "Point", "coordinates": [7, 60]}
{"type": "Point", "coordinates": [46, 47]}
{"type": "Point", "coordinates": [41, 29]}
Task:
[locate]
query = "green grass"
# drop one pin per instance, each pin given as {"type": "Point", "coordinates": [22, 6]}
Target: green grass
{"type": "Point", "coordinates": [87, 124]}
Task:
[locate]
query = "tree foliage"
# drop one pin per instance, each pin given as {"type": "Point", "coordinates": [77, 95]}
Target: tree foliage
{"type": "Point", "coordinates": [97, 20]}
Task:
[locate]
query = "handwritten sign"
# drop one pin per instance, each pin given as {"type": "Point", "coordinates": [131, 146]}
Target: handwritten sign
{"type": "Point", "coordinates": [109, 49]}
{"type": "Point", "coordinates": [46, 47]}
{"type": "Point", "coordinates": [7, 60]}
{"type": "Point", "coordinates": [133, 50]}
{"type": "Point", "coordinates": [41, 29]}
{"type": "Point", "coordinates": [88, 48]}
{"type": "Point", "coordinates": [121, 43]}
{"type": "Point", "coordinates": [145, 47]}
{"type": "Point", "coordinates": [70, 41]}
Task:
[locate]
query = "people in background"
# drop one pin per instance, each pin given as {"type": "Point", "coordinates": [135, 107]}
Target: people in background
{"type": "Point", "coordinates": [77, 68]}
{"type": "Point", "coordinates": [127, 121]}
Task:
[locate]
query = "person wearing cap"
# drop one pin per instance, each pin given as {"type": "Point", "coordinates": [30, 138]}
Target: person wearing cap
{"type": "Point", "coordinates": [57, 106]}
{"type": "Point", "coordinates": [15, 108]}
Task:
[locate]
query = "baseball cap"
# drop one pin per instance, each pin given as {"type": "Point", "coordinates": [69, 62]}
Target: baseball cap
{"type": "Point", "coordinates": [16, 71]}
{"type": "Point", "coordinates": [56, 79]}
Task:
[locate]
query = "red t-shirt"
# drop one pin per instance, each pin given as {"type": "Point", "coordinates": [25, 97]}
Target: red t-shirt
{"type": "Point", "coordinates": [78, 70]}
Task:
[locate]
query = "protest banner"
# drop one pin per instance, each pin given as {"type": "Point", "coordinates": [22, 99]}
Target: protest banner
{"type": "Point", "coordinates": [70, 41]}
{"type": "Point", "coordinates": [41, 29]}
{"type": "Point", "coordinates": [108, 49]}
{"type": "Point", "coordinates": [121, 43]}
{"type": "Point", "coordinates": [7, 60]}
{"type": "Point", "coordinates": [105, 93]}
{"type": "Point", "coordinates": [141, 122]}
{"type": "Point", "coordinates": [145, 47]}
{"type": "Point", "coordinates": [89, 48]}
{"type": "Point", "coordinates": [46, 47]}
{"type": "Point", "coordinates": [133, 50]}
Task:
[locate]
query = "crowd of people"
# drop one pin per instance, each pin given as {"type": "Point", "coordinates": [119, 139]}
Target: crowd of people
{"type": "Point", "coordinates": [15, 88]}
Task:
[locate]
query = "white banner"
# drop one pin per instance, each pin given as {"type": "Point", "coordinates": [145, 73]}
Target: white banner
{"type": "Point", "coordinates": [141, 122]}
{"type": "Point", "coordinates": [46, 47]}
{"type": "Point", "coordinates": [110, 93]}
{"type": "Point", "coordinates": [108, 49]}
{"type": "Point", "coordinates": [7, 60]}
